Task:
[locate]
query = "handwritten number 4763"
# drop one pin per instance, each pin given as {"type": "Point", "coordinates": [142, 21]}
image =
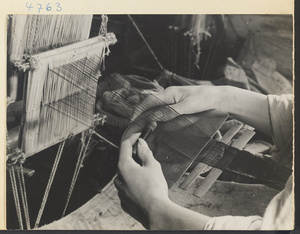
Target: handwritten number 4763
{"type": "Point", "coordinates": [47, 8]}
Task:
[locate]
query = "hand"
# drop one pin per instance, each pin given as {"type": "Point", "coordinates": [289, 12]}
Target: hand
{"type": "Point", "coordinates": [140, 187]}
{"type": "Point", "coordinates": [182, 99]}
{"type": "Point", "coordinates": [249, 107]}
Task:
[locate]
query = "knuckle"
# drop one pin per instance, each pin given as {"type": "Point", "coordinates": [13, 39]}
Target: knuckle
{"type": "Point", "coordinates": [125, 143]}
{"type": "Point", "coordinates": [143, 150]}
{"type": "Point", "coordinates": [147, 151]}
{"type": "Point", "coordinates": [171, 89]}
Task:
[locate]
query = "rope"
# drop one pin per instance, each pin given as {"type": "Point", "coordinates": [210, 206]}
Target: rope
{"type": "Point", "coordinates": [52, 174]}
{"type": "Point", "coordinates": [22, 196]}
{"type": "Point", "coordinates": [103, 26]}
{"type": "Point", "coordinates": [72, 182]}
{"type": "Point", "coordinates": [141, 35]}
{"type": "Point", "coordinates": [25, 203]}
{"type": "Point", "coordinates": [22, 187]}
{"type": "Point", "coordinates": [81, 157]}
{"type": "Point", "coordinates": [16, 196]}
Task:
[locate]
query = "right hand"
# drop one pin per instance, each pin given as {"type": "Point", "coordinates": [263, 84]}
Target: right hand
{"type": "Point", "coordinates": [182, 99]}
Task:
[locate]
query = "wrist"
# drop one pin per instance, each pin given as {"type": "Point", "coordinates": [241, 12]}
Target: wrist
{"type": "Point", "coordinates": [158, 213]}
{"type": "Point", "coordinates": [166, 215]}
{"type": "Point", "coordinates": [219, 96]}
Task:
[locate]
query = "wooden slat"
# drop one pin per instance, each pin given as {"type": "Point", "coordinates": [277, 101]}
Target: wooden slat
{"type": "Point", "coordinates": [201, 166]}
{"type": "Point", "coordinates": [78, 50]}
{"type": "Point", "coordinates": [192, 176]}
{"type": "Point", "coordinates": [231, 133]}
{"type": "Point", "coordinates": [243, 139]}
{"type": "Point", "coordinates": [216, 172]}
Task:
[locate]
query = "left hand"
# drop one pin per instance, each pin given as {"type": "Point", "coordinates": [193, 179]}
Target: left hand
{"type": "Point", "coordinates": [140, 187]}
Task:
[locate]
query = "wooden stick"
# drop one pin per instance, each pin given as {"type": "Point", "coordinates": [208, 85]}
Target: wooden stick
{"type": "Point", "coordinates": [201, 166]}
{"type": "Point", "coordinates": [78, 49]}
{"type": "Point", "coordinates": [26, 171]}
{"type": "Point", "coordinates": [216, 172]}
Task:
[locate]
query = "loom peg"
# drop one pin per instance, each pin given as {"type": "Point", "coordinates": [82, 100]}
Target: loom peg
{"type": "Point", "coordinates": [21, 66]}
{"type": "Point", "coordinates": [26, 171]}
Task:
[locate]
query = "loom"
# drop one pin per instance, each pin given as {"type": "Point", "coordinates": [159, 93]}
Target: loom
{"type": "Point", "coordinates": [59, 68]}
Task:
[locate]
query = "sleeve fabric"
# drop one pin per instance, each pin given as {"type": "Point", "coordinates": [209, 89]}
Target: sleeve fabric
{"type": "Point", "coordinates": [229, 222]}
{"type": "Point", "coordinates": [281, 118]}
{"type": "Point", "coordinates": [279, 214]}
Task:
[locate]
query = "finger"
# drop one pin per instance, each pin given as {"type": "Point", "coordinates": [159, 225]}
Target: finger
{"type": "Point", "coordinates": [126, 149]}
{"type": "Point", "coordinates": [121, 187]}
{"type": "Point", "coordinates": [148, 91]}
{"type": "Point", "coordinates": [119, 184]}
{"type": "Point", "coordinates": [229, 124]}
{"type": "Point", "coordinates": [144, 153]}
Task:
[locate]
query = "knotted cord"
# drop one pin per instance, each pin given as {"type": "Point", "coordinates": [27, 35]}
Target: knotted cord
{"type": "Point", "coordinates": [16, 195]}
{"type": "Point", "coordinates": [103, 26]}
{"type": "Point", "coordinates": [24, 198]}
{"type": "Point", "coordinates": [52, 174]}
{"type": "Point", "coordinates": [18, 160]}
{"type": "Point", "coordinates": [82, 154]}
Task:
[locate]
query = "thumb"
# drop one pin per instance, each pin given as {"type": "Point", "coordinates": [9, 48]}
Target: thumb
{"type": "Point", "coordinates": [126, 149]}
{"type": "Point", "coordinates": [144, 153]}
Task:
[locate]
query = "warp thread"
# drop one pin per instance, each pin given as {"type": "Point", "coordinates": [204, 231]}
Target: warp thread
{"type": "Point", "coordinates": [65, 95]}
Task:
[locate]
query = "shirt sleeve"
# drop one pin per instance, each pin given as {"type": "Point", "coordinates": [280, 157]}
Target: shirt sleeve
{"type": "Point", "coordinates": [229, 222]}
{"type": "Point", "coordinates": [281, 118]}
{"type": "Point", "coordinates": [279, 214]}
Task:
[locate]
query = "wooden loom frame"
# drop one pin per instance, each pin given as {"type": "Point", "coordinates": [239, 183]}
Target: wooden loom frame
{"type": "Point", "coordinates": [97, 45]}
{"type": "Point", "coordinates": [76, 51]}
